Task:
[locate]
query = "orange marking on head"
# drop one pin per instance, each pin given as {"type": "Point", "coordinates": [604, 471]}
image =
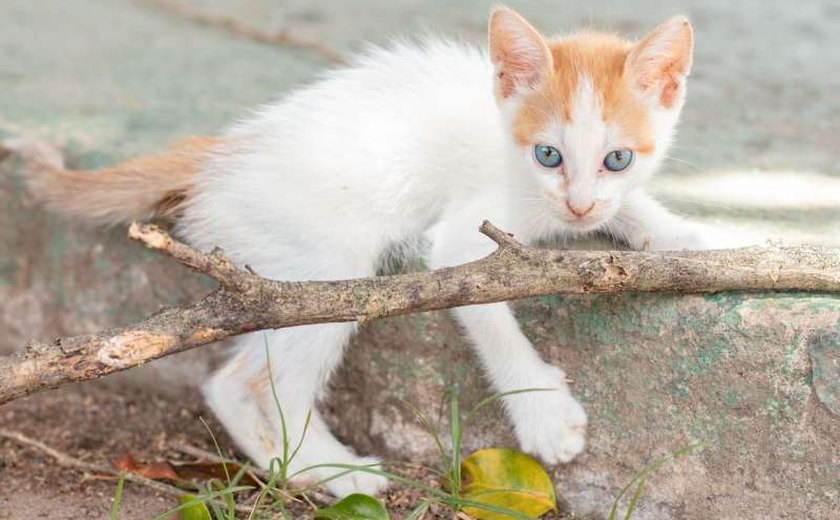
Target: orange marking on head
{"type": "Point", "coordinates": [600, 58]}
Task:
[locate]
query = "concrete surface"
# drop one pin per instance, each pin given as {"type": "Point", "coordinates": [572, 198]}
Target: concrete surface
{"type": "Point", "coordinates": [757, 376]}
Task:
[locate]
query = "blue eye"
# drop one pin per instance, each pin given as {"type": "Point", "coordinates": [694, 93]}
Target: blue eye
{"type": "Point", "coordinates": [618, 160]}
{"type": "Point", "coordinates": [548, 156]}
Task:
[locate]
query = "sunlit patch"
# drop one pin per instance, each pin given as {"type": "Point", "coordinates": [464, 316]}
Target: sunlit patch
{"type": "Point", "coordinates": [748, 207]}
{"type": "Point", "coordinates": [756, 189]}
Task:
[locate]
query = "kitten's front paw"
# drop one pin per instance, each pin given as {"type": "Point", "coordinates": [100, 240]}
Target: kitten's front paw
{"type": "Point", "coordinates": [549, 424]}
{"type": "Point", "coordinates": [684, 240]}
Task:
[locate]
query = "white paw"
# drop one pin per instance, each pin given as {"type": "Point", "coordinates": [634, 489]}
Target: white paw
{"type": "Point", "coordinates": [358, 481]}
{"type": "Point", "coordinates": [350, 481]}
{"type": "Point", "coordinates": [549, 424]}
{"type": "Point", "coordinates": [260, 439]}
{"type": "Point", "coordinates": [322, 453]}
{"type": "Point", "coordinates": [339, 481]}
{"type": "Point", "coordinates": [686, 240]}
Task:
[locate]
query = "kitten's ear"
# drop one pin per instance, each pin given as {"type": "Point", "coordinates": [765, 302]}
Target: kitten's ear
{"type": "Point", "coordinates": [661, 61]}
{"type": "Point", "coordinates": [518, 51]}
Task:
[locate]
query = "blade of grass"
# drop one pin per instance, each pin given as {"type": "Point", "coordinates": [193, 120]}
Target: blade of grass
{"type": "Point", "coordinates": [115, 507]}
{"type": "Point", "coordinates": [243, 469]}
{"type": "Point", "coordinates": [420, 510]}
{"type": "Point", "coordinates": [350, 468]}
{"type": "Point", "coordinates": [302, 436]}
{"type": "Point", "coordinates": [218, 448]}
{"type": "Point", "coordinates": [227, 498]}
{"type": "Point", "coordinates": [634, 500]}
{"type": "Point", "coordinates": [260, 497]}
{"type": "Point", "coordinates": [216, 508]}
{"type": "Point", "coordinates": [421, 467]}
{"type": "Point", "coordinates": [267, 487]}
{"type": "Point", "coordinates": [650, 468]}
{"type": "Point", "coordinates": [431, 430]}
{"type": "Point", "coordinates": [283, 427]}
{"type": "Point", "coordinates": [495, 397]}
{"type": "Point", "coordinates": [455, 432]}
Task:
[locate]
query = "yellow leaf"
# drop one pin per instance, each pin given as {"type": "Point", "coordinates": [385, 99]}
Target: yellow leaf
{"type": "Point", "coordinates": [195, 511]}
{"type": "Point", "coordinates": [504, 478]}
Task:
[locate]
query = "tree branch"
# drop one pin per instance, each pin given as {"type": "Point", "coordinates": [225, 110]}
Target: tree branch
{"type": "Point", "coordinates": [245, 302]}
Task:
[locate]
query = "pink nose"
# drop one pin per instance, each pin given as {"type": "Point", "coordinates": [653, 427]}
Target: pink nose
{"type": "Point", "coordinates": [578, 211]}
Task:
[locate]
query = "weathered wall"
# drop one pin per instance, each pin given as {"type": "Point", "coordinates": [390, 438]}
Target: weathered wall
{"type": "Point", "coordinates": [755, 375]}
{"type": "Point", "coordinates": [655, 374]}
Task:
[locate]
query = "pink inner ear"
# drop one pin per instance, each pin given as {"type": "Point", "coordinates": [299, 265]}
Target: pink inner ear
{"type": "Point", "coordinates": [663, 77]}
{"type": "Point", "coordinates": [518, 70]}
{"type": "Point", "coordinates": [672, 77]}
{"type": "Point", "coordinates": [518, 51]}
{"type": "Point", "coordinates": [661, 62]}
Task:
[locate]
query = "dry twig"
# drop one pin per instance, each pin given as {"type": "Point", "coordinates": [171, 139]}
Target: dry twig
{"type": "Point", "coordinates": [246, 302]}
{"type": "Point", "coordinates": [66, 461]}
{"type": "Point", "coordinates": [284, 38]}
{"type": "Point", "coordinates": [255, 473]}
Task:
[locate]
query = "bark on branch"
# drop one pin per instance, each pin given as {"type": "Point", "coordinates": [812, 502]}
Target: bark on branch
{"type": "Point", "coordinates": [246, 302]}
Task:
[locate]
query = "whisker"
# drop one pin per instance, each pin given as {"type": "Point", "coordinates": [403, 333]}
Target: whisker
{"type": "Point", "coordinates": [683, 161]}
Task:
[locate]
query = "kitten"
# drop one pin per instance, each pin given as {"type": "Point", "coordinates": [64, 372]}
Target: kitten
{"type": "Point", "coordinates": [544, 137]}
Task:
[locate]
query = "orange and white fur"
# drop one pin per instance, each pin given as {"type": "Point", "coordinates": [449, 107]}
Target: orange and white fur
{"type": "Point", "coordinates": [412, 142]}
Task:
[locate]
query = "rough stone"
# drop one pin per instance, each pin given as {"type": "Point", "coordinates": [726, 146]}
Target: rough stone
{"type": "Point", "coordinates": [754, 376]}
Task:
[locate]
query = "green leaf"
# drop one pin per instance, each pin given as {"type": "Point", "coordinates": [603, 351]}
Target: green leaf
{"type": "Point", "coordinates": [194, 508]}
{"type": "Point", "coordinates": [355, 507]}
{"type": "Point", "coordinates": [507, 479]}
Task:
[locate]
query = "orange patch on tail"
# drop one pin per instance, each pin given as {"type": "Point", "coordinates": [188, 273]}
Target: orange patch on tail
{"type": "Point", "coordinates": [146, 187]}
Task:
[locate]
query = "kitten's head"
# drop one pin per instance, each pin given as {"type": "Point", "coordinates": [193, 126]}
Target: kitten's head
{"type": "Point", "coordinates": [589, 115]}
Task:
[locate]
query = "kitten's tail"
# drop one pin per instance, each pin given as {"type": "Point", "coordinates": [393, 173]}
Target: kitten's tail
{"type": "Point", "coordinates": [143, 188]}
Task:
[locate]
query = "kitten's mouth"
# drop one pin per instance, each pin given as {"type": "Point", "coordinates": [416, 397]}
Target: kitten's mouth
{"type": "Point", "coordinates": [588, 222]}
{"type": "Point", "coordinates": [591, 220]}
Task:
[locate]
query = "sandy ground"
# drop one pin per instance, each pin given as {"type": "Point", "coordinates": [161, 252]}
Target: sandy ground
{"type": "Point", "coordinates": [97, 423]}
{"type": "Point", "coordinates": [110, 78]}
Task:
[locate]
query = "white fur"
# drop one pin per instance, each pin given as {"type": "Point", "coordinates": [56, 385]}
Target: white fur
{"type": "Point", "coordinates": [406, 142]}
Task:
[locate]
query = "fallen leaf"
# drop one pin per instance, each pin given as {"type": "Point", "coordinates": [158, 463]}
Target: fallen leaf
{"type": "Point", "coordinates": [181, 471]}
{"type": "Point", "coordinates": [210, 470]}
{"type": "Point", "coordinates": [354, 507]}
{"type": "Point", "coordinates": [196, 511]}
{"type": "Point", "coordinates": [508, 479]}
{"type": "Point", "coordinates": [154, 471]}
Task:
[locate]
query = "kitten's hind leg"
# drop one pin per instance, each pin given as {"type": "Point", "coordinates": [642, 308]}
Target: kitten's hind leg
{"type": "Point", "coordinates": [241, 396]}
{"type": "Point", "coordinates": [301, 361]}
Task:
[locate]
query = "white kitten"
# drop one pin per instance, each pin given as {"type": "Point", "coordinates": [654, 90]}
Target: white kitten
{"type": "Point", "coordinates": [541, 137]}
